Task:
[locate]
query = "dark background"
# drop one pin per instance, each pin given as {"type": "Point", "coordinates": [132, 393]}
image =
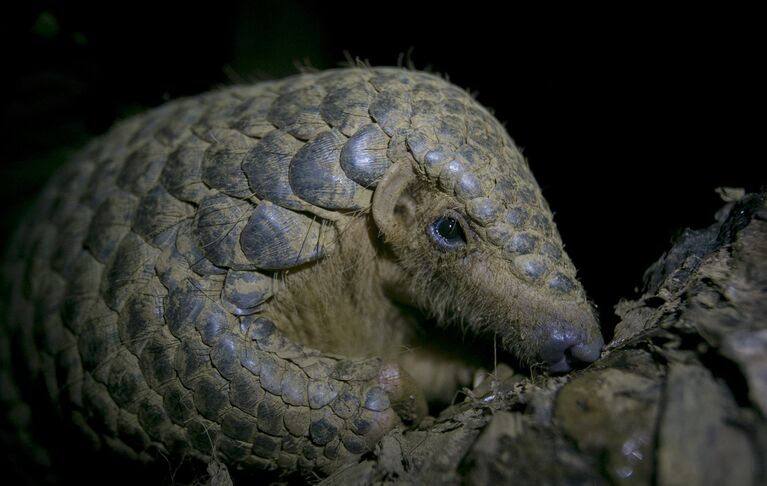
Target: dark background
{"type": "Point", "coordinates": [630, 119]}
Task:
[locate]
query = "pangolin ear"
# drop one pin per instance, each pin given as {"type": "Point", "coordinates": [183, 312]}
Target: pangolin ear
{"type": "Point", "coordinates": [394, 208]}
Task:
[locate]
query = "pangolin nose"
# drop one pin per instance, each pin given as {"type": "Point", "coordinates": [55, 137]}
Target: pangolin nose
{"type": "Point", "coordinates": [565, 349]}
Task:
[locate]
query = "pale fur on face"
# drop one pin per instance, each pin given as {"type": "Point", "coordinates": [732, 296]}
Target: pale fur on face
{"type": "Point", "coordinates": [473, 287]}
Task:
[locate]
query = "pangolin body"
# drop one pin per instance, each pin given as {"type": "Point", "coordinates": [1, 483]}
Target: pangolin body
{"type": "Point", "coordinates": [140, 285]}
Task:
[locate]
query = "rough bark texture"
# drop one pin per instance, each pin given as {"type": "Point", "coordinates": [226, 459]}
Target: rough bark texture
{"type": "Point", "coordinates": [679, 396]}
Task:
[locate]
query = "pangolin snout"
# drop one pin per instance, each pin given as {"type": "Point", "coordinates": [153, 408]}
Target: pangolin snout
{"type": "Point", "coordinates": [565, 346]}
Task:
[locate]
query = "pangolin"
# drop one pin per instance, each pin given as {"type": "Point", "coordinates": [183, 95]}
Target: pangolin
{"type": "Point", "coordinates": [253, 273]}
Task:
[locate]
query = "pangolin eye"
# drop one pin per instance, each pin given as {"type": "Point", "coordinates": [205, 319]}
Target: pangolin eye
{"type": "Point", "coordinates": [447, 233]}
